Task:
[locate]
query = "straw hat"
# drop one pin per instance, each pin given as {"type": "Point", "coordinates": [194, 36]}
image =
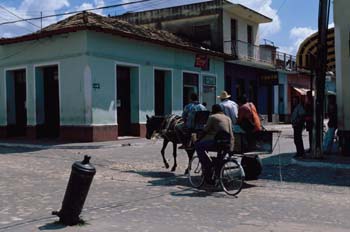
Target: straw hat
{"type": "Point", "coordinates": [224, 95]}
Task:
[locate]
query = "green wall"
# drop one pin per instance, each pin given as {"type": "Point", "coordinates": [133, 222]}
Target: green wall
{"type": "Point", "coordinates": [107, 51]}
{"type": "Point", "coordinates": [87, 64]}
{"type": "Point", "coordinates": [68, 52]}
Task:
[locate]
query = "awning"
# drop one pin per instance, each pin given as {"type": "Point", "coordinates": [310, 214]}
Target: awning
{"type": "Point", "coordinates": [329, 92]}
{"type": "Point", "coordinates": [301, 91]}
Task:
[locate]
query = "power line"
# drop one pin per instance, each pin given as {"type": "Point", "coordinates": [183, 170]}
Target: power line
{"type": "Point", "coordinates": [75, 12]}
{"type": "Point", "coordinates": [25, 28]}
{"type": "Point", "coordinates": [284, 2]}
{"type": "Point", "coordinates": [5, 9]}
{"type": "Point", "coordinates": [278, 10]}
{"type": "Point", "coordinates": [150, 5]}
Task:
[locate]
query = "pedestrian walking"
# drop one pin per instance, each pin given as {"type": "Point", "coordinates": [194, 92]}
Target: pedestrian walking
{"type": "Point", "coordinates": [309, 117]}
{"type": "Point", "coordinates": [298, 123]}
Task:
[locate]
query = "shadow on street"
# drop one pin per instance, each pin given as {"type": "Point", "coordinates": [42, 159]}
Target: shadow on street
{"type": "Point", "coordinates": [52, 226]}
{"type": "Point", "coordinates": [280, 166]}
{"type": "Point", "coordinates": [170, 179]}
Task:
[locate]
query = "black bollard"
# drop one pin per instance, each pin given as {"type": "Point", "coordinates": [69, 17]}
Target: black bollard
{"type": "Point", "coordinates": [77, 189]}
{"type": "Point", "coordinates": [252, 166]}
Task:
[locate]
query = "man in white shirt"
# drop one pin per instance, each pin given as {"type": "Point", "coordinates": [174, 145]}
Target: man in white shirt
{"type": "Point", "coordinates": [229, 107]}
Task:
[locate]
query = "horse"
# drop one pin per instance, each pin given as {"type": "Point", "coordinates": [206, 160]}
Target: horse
{"type": "Point", "coordinates": [165, 126]}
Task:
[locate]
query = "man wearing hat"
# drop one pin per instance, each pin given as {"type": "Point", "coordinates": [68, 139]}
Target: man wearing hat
{"type": "Point", "coordinates": [229, 107]}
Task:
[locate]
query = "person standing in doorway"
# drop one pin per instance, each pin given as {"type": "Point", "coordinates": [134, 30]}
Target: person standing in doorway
{"type": "Point", "coordinates": [229, 107]}
{"type": "Point", "coordinates": [298, 122]}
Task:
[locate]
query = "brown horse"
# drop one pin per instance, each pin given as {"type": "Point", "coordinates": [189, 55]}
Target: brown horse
{"type": "Point", "coordinates": [165, 127]}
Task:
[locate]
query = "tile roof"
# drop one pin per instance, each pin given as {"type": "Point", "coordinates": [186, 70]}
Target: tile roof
{"type": "Point", "coordinates": [92, 21]}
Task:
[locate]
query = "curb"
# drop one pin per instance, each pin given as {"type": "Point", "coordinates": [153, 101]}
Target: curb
{"type": "Point", "coordinates": [317, 164]}
{"type": "Point", "coordinates": [58, 146]}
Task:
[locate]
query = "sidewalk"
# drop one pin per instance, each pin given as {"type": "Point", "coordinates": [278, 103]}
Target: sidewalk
{"type": "Point", "coordinates": [333, 161]}
{"type": "Point", "coordinates": [122, 141]}
{"type": "Point", "coordinates": [327, 161]}
{"type": "Point", "coordinates": [56, 144]}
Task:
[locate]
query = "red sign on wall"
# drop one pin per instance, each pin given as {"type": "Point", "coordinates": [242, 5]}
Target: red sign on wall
{"type": "Point", "coordinates": [202, 61]}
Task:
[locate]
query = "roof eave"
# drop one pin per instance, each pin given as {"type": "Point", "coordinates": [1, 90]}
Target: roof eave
{"type": "Point", "coordinates": [45, 34]}
{"type": "Point", "coordinates": [260, 18]}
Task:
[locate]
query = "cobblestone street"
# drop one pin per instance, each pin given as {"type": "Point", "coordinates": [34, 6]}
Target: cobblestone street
{"type": "Point", "coordinates": [132, 191]}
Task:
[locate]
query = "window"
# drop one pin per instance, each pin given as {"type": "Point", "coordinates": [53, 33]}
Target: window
{"type": "Point", "coordinates": [190, 85]}
{"type": "Point", "coordinates": [233, 30]}
{"type": "Point", "coordinates": [250, 41]}
{"type": "Point", "coordinates": [249, 34]}
{"type": "Point", "coordinates": [202, 34]}
{"type": "Point", "coordinates": [240, 87]}
{"type": "Point", "coordinates": [209, 91]}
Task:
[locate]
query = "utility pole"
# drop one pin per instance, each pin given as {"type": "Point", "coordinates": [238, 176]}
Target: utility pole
{"type": "Point", "coordinates": [323, 19]}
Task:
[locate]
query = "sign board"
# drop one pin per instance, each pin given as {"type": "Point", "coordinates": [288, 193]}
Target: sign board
{"type": "Point", "coordinates": [271, 79]}
{"type": "Point", "coordinates": [202, 61]}
{"type": "Point", "coordinates": [209, 80]}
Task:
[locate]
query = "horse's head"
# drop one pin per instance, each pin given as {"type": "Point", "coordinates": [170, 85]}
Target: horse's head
{"type": "Point", "coordinates": [154, 124]}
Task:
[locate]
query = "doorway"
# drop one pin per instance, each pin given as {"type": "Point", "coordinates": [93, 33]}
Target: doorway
{"type": "Point", "coordinates": [250, 41]}
{"type": "Point", "coordinates": [16, 103]}
{"type": "Point", "coordinates": [162, 92]}
{"type": "Point", "coordinates": [159, 92]}
{"type": "Point", "coordinates": [51, 126]}
{"type": "Point", "coordinates": [123, 100]}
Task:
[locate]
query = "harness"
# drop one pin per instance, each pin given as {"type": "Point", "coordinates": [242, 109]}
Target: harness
{"type": "Point", "coordinates": [168, 126]}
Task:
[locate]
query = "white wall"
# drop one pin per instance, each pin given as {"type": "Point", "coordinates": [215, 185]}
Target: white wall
{"type": "Point", "coordinates": [342, 50]}
{"type": "Point", "coordinates": [241, 30]}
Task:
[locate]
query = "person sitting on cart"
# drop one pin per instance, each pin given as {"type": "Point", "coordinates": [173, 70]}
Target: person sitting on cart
{"type": "Point", "coordinates": [217, 122]}
{"type": "Point", "coordinates": [248, 120]}
{"type": "Point", "coordinates": [183, 130]}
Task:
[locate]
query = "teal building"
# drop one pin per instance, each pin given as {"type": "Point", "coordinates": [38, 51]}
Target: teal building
{"type": "Point", "coordinates": [94, 78]}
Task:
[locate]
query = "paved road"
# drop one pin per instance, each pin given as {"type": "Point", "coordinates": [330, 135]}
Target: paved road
{"type": "Point", "coordinates": [133, 192]}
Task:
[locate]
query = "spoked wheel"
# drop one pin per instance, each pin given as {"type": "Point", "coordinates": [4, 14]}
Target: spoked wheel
{"type": "Point", "coordinates": [195, 173]}
{"type": "Point", "coordinates": [231, 177]}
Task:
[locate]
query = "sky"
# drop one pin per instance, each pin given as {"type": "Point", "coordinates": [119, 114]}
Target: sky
{"type": "Point", "coordinates": [293, 20]}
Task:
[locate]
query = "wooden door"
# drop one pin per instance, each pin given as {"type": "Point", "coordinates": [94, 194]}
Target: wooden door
{"type": "Point", "coordinates": [123, 101]}
{"type": "Point", "coordinates": [20, 103]}
{"type": "Point", "coordinates": [51, 102]}
{"type": "Point", "coordinates": [159, 92]}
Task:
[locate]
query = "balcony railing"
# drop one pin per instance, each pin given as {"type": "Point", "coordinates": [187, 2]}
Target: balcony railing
{"type": "Point", "coordinates": [260, 54]}
{"type": "Point", "coordinates": [285, 61]}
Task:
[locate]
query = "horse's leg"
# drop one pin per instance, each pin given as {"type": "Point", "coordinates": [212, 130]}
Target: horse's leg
{"type": "Point", "coordinates": [174, 155]}
{"type": "Point", "coordinates": [165, 143]}
{"type": "Point", "coordinates": [190, 154]}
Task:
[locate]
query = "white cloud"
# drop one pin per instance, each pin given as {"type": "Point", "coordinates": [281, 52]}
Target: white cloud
{"type": "Point", "coordinates": [297, 35]}
{"type": "Point", "coordinates": [264, 7]}
{"type": "Point", "coordinates": [88, 5]}
{"type": "Point", "coordinates": [30, 9]}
